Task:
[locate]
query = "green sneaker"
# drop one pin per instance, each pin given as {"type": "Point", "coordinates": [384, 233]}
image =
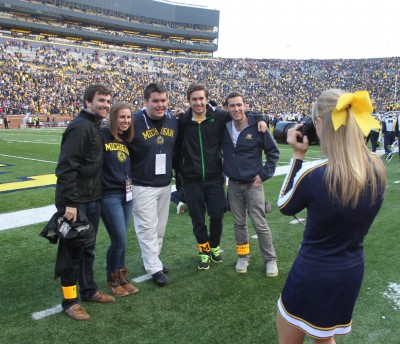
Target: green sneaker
{"type": "Point", "coordinates": [216, 254]}
{"type": "Point", "coordinates": [204, 263]}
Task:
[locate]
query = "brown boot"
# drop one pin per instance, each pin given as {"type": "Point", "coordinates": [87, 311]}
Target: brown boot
{"type": "Point", "coordinates": [130, 288]}
{"type": "Point", "coordinates": [114, 285]}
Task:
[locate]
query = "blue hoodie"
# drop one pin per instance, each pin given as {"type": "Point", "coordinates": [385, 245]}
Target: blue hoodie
{"type": "Point", "coordinates": [147, 143]}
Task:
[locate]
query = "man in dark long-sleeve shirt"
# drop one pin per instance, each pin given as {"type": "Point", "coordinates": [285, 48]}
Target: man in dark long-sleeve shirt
{"type": "Point", "coordinates": [152, 153]}
{"type": "Point", "coordinates": [79, 190]}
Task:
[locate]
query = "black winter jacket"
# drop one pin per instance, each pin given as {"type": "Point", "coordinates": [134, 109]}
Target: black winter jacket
{"type": "Point", "coordinates": [80, 162]}
{"type": "Point", "coordinates": [199, 146]}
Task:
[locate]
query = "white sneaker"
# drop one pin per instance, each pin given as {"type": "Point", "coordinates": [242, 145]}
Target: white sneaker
{"type": "Point", "coordinates": [271, 269]}
{"type": "Point", "coordinates": [180, 208]}
{"type": "Point", "coordinates": [241, 265]}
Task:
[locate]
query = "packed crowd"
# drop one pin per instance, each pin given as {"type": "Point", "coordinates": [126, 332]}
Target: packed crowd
{"type": "Point", "coordinates": [50, 78]}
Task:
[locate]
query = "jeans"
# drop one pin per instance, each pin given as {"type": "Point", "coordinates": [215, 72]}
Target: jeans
{"type": "Point", "coordinates": [116, 215]}
{"type": "Point", "coordinates": [82, 260]}
{"type": "Point", "coordinates": [247, 197]}
{"type": "Point", "coordinates": [374, 136]}
{"type": "Point", "coordinates": [210, 196]}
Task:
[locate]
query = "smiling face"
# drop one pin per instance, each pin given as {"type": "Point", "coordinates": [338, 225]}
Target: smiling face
{"type": "Point", "coordinates": [124, 120]}
{"type": "Point", "coordinates": [198, 103]}
{"type": "Point", "coordinates": [100, 105]}
{"type": "Point", "coordinates": [156, 105]}
{"type": "Point", "coordinates": [236, 108]}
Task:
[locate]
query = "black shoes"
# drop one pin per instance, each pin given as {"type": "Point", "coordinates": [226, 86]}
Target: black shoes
{"type": "Point", "coordinates": [161, 279]}
{"type": "Point", "coordinates": [204, 261]}
{"type": "Point", "coordinates": [216, 256]}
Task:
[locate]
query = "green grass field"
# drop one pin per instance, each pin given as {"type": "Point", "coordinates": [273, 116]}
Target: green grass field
{"type": "Point", "coordinates": [214, 306]}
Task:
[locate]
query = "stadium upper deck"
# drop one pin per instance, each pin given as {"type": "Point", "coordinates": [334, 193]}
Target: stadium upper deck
{"type": "Point", "coordinates": [137, 24]}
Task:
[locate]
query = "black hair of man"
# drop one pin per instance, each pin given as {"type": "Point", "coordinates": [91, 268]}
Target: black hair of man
{"type": "Point", "coordinates": [196, 87]}
{"type": "Point", "coordinates": [234, 94]}
{"type": "Point", "coordinates": [153, 88]}
{"type": "Point", "coordinates": [91, 91]}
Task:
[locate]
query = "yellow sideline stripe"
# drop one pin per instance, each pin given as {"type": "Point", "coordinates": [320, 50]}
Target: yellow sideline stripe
{"type": "Point", "coordinates": [33, 182]}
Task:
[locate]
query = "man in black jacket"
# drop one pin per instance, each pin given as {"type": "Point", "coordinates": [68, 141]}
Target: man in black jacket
{"type": "Point", "coordinates": [79, 190]}
{"type": "Point", "coordinates": [200, 163]}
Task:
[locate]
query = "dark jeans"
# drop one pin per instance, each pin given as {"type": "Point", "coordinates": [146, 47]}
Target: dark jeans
{"type": "Point", "coordinates": [178, 196]}
{"type": "Point", "coordinates": [82, 260]}
{"type": "Point", "coordinates": [210, 196]}
{"type": "Point", "coordinates": [116, 214]}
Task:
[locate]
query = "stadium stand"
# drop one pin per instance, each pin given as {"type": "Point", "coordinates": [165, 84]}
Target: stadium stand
{"type": "Point", "coordinates": [46, 75]}
{"type": "Point", "coordinates": [155, 26]}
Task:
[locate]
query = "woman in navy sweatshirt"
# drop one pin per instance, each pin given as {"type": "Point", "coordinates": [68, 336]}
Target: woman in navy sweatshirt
{"type": "Point", "coordinates": [116, 202]}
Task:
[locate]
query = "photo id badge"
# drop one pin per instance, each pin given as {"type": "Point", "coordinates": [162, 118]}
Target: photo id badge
{"type": "Point", "coordinates": [161, 160]}
{"type": "Point", "coordinates": [128, 186]}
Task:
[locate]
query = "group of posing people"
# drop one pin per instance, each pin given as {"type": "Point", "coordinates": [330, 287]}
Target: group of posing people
{"type": "Point", "coordinates": [127, 168]}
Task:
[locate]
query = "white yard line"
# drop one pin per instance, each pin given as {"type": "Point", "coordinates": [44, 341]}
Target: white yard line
{"type": "Point", "coordinates": [38, 141]}
{"type": "Point", "coordinates": [26, 217]}
{"type": "Point", "coordinates": [142, 278]}
{"type": "Point", "coordinates": [23, 158]}
{"type": "Point", "coordinates": [47, 312]}
{"type": "Point", "coordinates": [393, 294]}
{"type": "Point", "coordinates": [296, 221]}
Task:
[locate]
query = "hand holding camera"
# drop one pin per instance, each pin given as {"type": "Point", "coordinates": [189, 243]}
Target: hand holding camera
{"type": "Point", "coordinates": [304, 129]}
{"type": "Point", "coordinates": [308, 129]}
{"type": "Point", "coordinates": [281, 129]}
{"type": "Point", "coordinates": [298, 140]}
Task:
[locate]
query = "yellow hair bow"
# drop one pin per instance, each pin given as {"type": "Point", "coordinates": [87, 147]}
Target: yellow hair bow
{"type": "Point", "coordinates": [361, 107]}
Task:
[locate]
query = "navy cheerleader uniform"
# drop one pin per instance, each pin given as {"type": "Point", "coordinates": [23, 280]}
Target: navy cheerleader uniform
{"type": "Point", "coordinates": [325, 279]}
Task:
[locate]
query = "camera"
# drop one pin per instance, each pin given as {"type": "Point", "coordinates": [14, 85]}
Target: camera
{"type": "Point", "coordinates": [308, 129]}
